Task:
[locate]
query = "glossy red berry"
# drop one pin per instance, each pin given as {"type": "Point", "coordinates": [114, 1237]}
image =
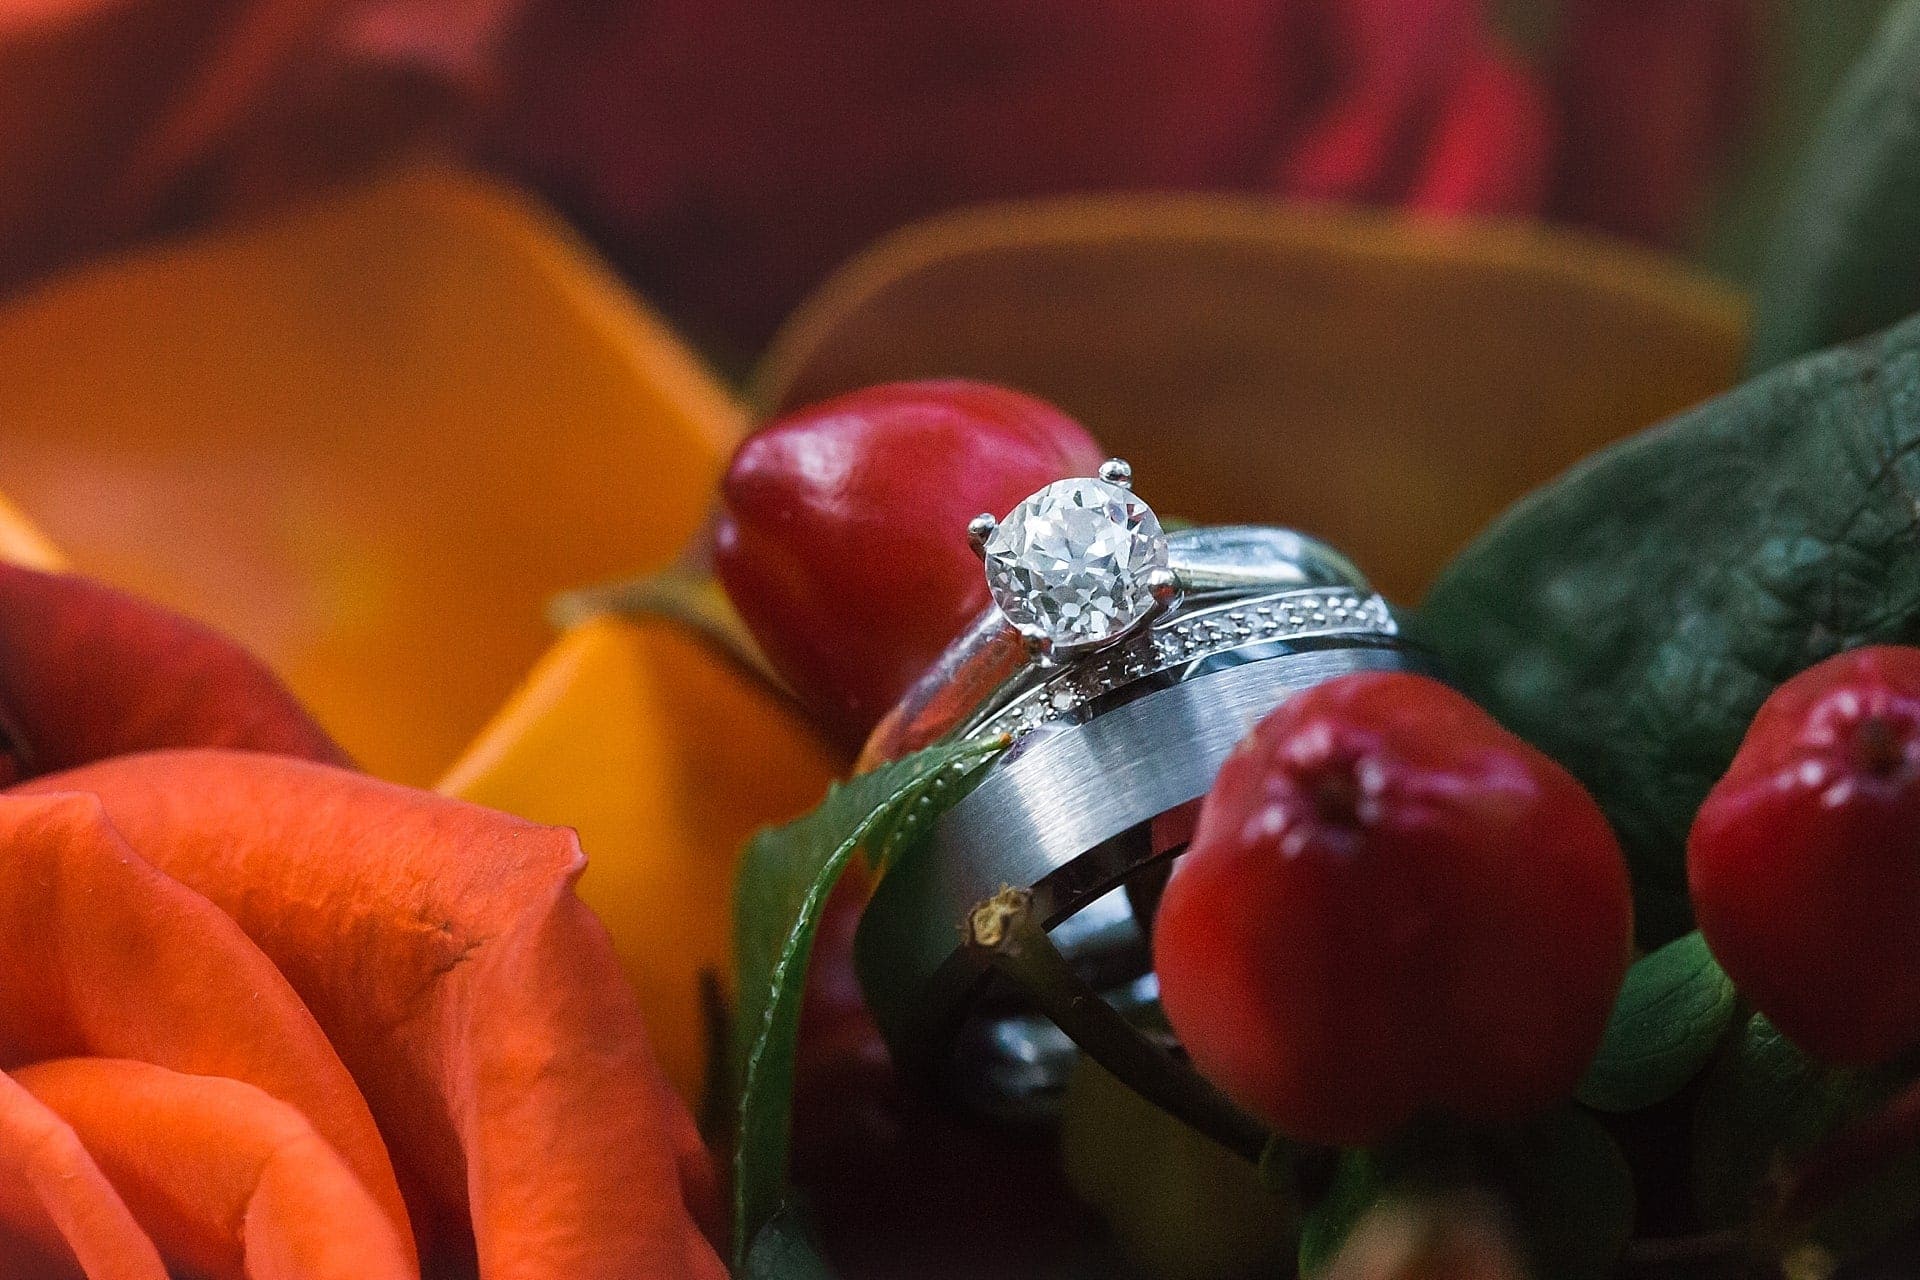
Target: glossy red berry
{"type": "Point", "coordinates": [1804, 862]}
{"type": "Point", "coordinates": [843, 534]}
{"type": "Point", "coordinates": [1392, 905]}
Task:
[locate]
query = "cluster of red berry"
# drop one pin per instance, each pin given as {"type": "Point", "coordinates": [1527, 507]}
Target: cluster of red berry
{"type": "Point", "coordinates": [1390, 905]}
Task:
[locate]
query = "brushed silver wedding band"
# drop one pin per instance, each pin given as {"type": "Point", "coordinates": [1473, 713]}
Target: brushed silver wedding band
{"type": "Point", "coordinates": [1101, 745]}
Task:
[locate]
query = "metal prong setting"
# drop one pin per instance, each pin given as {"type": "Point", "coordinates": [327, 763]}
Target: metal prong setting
{"type": "Point", "coordinates": [1116, 471]}
{"type": "Point", "coordinates": [979, 529]}
{"type": "Point", "coordinates": [1164, 585]}
{"type": "Point", "coordinates": [1038, 644]}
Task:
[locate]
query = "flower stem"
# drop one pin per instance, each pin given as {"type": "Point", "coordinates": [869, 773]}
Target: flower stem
{"type": "Point", "coordinates": [1009, 929]}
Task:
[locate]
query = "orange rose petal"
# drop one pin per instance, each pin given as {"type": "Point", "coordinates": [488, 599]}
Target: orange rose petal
{"type": "Point", "coordinates": [228, 1181]}
{"type": "Point", "coordinates": [22, 544]}
{"type": "Point", "coordinates": [664, 754]}
{"type": "Point", "coordinates": [477, 1001]}
{"type": "Point", "coordinates": [368, 440]}
{"type": "Point", "coordinates": [59, 1215]}
{"type": "Point", "coordinates": [101, 955]}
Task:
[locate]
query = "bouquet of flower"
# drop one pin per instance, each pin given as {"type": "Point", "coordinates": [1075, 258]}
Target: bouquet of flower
{"type": "Point", "coordinates": [1118, 684]}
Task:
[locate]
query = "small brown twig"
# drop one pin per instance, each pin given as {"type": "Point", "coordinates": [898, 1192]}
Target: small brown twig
{"type": "Point", "coordinates": [1009, 929]}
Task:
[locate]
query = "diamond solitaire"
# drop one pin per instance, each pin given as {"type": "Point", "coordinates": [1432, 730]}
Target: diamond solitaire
{"type": "Point", "coordinates": [1078, 565]}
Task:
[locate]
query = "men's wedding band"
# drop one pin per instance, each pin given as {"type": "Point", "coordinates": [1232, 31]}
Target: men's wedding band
{"type": "Point", "coordinates": [1101, 743]}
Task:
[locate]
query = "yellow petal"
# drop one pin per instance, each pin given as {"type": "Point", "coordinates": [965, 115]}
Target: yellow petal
{"type": "Point", "coordinates": [21, 543]}
{"type": "Point", "coordinates": [369, 440]}
{"type": "Point", "coordinates": [1387, 383]}
{"type": "Point", "coordinates": [665, 755]}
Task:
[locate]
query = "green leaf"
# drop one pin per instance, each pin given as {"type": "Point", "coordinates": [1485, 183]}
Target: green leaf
{"type": "Point", "coordinates": [784, 882]}
{"type": "Point", "coordinates": [1573, 1193]}
{"type": "Point", "coordinates": [1765, 1104]}
{"type": "Point", "coordinates": [1631, 617]}
{"type": "Point", "coordinates": [1561, 1174]}
{"type": "Point", "coordinates": [1360, 1182]}
{"type": "Point", "coordinates": [1673, 1011]}
{"type": "Point", "coordinates": [1811, 45]}
{"type": "Point", "coordinates": [1280, 1164]}
{"type": "Point", "coordinates": [782, 1251]}
{"type": "Point", "coordinates": [1843, 261]}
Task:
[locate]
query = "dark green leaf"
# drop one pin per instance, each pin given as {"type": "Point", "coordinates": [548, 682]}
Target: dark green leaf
{"type": "Point", "coordinates": [1878, 1210]}
{"type": "Point", "coordinates": [1572, 1192]}
{"type": "Point", "coordinates": [1562, 1176]}
{"type": "Point", "coordinates": [1280, 1164]}
{"type": "Point", "coordinates": [1843, 261]}
{"type": "Point", "coordinates": [784, 882]}
{"type": "Point", "coordinates": [1359, 1183]}
{"type": "Point", "coordinates": [1672, 1013]}
{"type": "Point", "coordinates": [1764, 1101]}
{"type": "Point", "coordinates": [1765, 1104]}
{"type": "Point", "coordinates": [1631, 617]}
{"type": "Point", "coordinates": [1811, 46]}
{"type": "Point", "coordinates": [781, 1251]}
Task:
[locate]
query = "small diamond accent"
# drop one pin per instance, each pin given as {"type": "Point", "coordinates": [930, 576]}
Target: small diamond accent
{"type": "Point", "coordinates": [1312, 611]}
{"type": "Point", "coordinates": [1073, 561]}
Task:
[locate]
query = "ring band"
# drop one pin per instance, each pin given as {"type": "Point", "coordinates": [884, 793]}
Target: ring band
{"type": "Point", "coordinates": [1191, 637]}
{"type": "Point", "coordinates": [1067, 808]}
{"type": "Point", "coordinates": [1122, 665]}
{"type": "Point", "coordinates": [989, 664]}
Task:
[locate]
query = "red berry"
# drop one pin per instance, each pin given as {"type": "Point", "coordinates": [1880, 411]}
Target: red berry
{"type": "Point", "coordinates": [843, 534]}
{"type": "Point", "coordinates": [1392, 905]}
{"type": "Point", "coordinates": [1804, 862]}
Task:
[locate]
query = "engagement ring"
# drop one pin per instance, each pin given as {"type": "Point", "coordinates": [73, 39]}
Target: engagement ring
{"type": "Point", "coordinates": [1123, 663]}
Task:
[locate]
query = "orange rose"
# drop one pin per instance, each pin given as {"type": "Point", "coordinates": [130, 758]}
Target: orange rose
{"type": "Point", "coordinates": [265, 1016]}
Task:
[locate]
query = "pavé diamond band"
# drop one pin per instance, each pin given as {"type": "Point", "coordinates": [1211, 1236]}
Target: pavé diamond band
{"type": "Point", "coordinates": [1124, 713]}
{"type": "Point", "coordinates": [992, 662]}
{"type": "Point", "coordinates": [1187, 637]}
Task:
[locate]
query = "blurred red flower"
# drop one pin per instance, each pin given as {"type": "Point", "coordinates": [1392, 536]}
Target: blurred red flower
{"type": "Point", "coordinates": [736, 149]}
{"type": "Point", "coordinates": [729, 152]}
{"type": "Point", "coordinates": [1654, 95]}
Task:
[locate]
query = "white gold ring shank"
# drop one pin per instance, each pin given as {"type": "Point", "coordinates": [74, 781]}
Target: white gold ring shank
{"type": "Point", "coordinates": [1101, 747]}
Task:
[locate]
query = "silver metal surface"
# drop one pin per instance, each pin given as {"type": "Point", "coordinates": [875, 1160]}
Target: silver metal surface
{"type": "Point", "coordinates": [1103, 742]}
{"type": "Point", "coordinates": [1191, 636]}
{"type": "Point", "coordinates": [1068, 791]}
{"type": "Point", "coordinates": [1067, 808]}
{"type": "Point", "coordinates": [1252, 557]}
{"type": "Point", "coordinates": [990, 662]}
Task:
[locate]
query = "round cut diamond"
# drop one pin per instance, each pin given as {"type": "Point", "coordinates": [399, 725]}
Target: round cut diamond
{"type": "Point", "coordinates": [1073, 562]}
